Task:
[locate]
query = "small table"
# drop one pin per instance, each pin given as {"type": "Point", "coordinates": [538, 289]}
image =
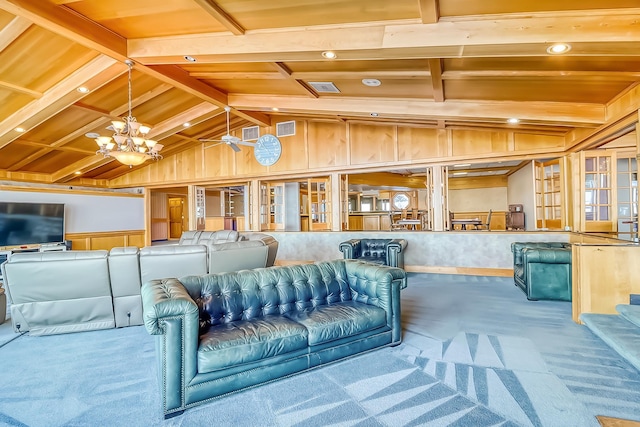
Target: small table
{"type": "Point", "coordinates": [409, 223]}
{"type": "Point", "coordinates": [464, 222]}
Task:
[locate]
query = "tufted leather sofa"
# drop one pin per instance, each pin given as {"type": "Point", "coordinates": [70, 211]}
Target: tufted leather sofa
{"type": "Point", "coordinates": [220, 333]}
{"type": "Point", "coordinates": [542, 270]}
{"type": "Point", "coordinates": [377, 251]}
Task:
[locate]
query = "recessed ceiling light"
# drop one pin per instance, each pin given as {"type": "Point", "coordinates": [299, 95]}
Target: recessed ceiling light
{"type": "Point", "coordinates": [374, 114]}
{"type": "Point", "coordinates": [78, 173]}
{"type": "Point", "coordinates": [459, 173]}
{"type": "Point", "coordinates": [329, 54]}
{"type": "Point", "coordinates": [83, 89]}
{"type": "Point", "coordinates": [559, 48]}
{"type": "Point", "coordinates": [513, 120]}
{"type": "Point", "coordinates": [462, 165]}
{"type": "Point", "coordinates": [275, 109]}
{"type": "Point", "coordinates": [190, 58]}
{"type": "Point", "coordinates": [186, 124]}
{"type": "Point", "coordinates": [371, 82]}
{"type": "Point", "coordinates": [19, 130]}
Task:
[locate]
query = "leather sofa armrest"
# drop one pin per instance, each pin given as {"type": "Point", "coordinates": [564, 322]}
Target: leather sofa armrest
{"type": "Point", "coordinates": [380, 286]}
{"type": "Point", "coordinates": [163, 299]}
{"type": "Point", "coordinates": [173, 316]}
{"type": "Point", "coordinates": [547, 255]}
{"type": "Point", "coordinates": [394, 252]}
{"type": "Point", "coordinates": [351, 248]}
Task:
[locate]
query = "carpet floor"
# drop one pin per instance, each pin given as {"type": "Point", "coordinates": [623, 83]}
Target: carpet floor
{"type": "Point", "coordinates": [475, 352]}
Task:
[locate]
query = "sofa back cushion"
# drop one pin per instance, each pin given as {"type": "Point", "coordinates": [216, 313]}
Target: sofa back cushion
{"type": "Point", "coordinates": [374, 248]}
{"type": "Point", "coordinates": [220, 236]}
{"type": "Point", "coordinates": [518, 247]}
{"type": "Point", "coordinates": [236, 256]}
{"type": "Point", "coordinates": [244, 295]}
{"type": "Point", "coordinates": [160, 262]}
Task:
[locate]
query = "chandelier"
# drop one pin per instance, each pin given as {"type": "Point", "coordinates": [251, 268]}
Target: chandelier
{"type": "Point", "coordinates": [128, 145]}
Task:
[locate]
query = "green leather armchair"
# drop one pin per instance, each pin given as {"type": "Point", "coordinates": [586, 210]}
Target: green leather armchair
{"type": "Point", "coordinates": [542, 270]}
{"type": "Point", "coordinates": [376, 251]}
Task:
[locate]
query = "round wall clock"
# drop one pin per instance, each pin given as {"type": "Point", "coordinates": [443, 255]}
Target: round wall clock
{"type": "Point", "coordinates": [267, 150]}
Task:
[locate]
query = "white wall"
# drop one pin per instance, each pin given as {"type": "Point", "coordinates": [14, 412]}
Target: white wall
{"type": "Point", "coordinates": [522, 192]}
{"type": "Point", "coordinates": [478, 199]}
{"type": "Point", "coordinates": [88, 213]}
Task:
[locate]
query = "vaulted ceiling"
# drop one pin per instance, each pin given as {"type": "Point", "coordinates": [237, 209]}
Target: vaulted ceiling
{"type": "Point", "coordinates": [440, 63]}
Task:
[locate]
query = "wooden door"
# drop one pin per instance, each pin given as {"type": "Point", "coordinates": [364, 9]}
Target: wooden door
{"type": "Point", "coordinates": [176, 217]}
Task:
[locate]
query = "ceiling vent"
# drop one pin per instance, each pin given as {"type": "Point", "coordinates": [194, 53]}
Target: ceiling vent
{"type": "Point", "coordinates": [324, 87]}
{"type": "Point", "coordinates": [250, 134]}
{"type": "Point", "coordinates": [286, 128]}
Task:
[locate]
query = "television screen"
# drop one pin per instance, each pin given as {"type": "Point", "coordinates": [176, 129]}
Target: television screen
{"type": "Point", "coordinates": [31, 223]}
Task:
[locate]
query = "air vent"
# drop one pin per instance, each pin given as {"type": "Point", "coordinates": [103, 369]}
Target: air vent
{"type": "Point", "coordinates": [324, 87]}
{"type": "Point", "coordinates": [250, 134]}
{"type": "Point", "coordinates": [286, 128]}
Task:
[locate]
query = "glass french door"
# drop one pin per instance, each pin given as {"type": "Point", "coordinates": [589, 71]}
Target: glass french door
{"type": "Point", "coordinates": [598, 195]}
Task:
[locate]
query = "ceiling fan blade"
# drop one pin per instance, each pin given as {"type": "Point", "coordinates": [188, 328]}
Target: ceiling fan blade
{"type": "Point", "coordinates": [234, 147]}
{"type": "Point", "coordinates": [247, 143]}
{"type": "Point", "coordinates": [217, 142]}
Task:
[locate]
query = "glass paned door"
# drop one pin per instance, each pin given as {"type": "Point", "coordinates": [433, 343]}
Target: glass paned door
{"type": "Point", "coordinates": [627, 191]}
{"type": "Point", "coordinates": [598, 196]}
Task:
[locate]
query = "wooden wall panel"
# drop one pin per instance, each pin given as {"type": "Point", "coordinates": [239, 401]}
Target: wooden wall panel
{"type": "Point", "coordinates": [471, 142]}
{"type": "Point", "coordinates": [421, 143]}
{"type": "Point", "coordinates": [164, 170]}
{"type": "Point", "coordinates": [477, 182]}
{"type": "Point", "coordinates": [246, 163]}
{"type": "Point", "coordinates": [597, 289]}
{"type": "Point", "coordinates": [295, 155]}
{"type": "Point", "coordinates": [532, 142]}
{"type": "Point", "coordinates": [105, 240]}
{"type": "Point", "coordinates": [159, 216]}
{"type": "Point", "coordinates": [220, 160]}
{"type": "Point", "coordinates": [372, 144]}
{"type": "Point", "coordinates": [189, 164]}
{"type": "Point", "coordinates": [327, 144]}
{"type": "Point", "coordinates": [623, 105]}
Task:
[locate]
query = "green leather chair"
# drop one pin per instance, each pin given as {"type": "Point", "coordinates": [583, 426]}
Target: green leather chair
{"type": "Point", "coordinates": [542, 270]}
{"type": "Point", "coordinates": [376, 251]}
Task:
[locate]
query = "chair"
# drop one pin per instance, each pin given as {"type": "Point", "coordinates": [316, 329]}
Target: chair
{"type": "Point", "coordinates": [487, 225]}
{"type": "Point", "coordinates": [393, 220]}
{"type": "Point", "coordinates": [377, 251]}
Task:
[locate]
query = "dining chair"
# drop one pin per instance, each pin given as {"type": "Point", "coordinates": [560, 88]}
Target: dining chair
{"type": "Point", "coordinates": [487, 225]}
{"type": "Point", "coordinates": [393, 218]}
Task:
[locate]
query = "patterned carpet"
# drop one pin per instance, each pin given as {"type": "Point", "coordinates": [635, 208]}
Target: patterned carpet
{"type": "Point", "coordinates": [475, 353]}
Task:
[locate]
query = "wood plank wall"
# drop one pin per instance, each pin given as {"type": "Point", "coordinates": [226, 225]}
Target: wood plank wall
{"type": "Point", "coordinates": [105, 239]}
{"type": "Point", "coordinates": [320, 147]}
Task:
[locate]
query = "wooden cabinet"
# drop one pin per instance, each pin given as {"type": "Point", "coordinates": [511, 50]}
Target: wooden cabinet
{"type": "Point", "coordinates": [371, 222]}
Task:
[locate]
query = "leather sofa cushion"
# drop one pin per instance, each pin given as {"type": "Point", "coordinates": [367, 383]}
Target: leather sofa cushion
{"type": "Point", "coordinates": [245, 341]}
{"type": "Point", "coordinates": [374, 260]}
{"type": "Point", "coordinates": [326, 323]}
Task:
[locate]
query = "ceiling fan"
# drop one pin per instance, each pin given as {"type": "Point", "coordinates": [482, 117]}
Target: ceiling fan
{"type": "Point", "coordinates": [231, 141]}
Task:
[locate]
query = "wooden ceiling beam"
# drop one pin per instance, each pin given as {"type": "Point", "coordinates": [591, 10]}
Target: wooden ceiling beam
{"type": "Point", "coordinates": [565, 74]}
{"type": "Point", "coordinates": [83, 166]}
{"type": "Point", "coordinates": [429, 11]}
{"type": "Point", "coordinates": [21, 89]}
{"type": "Point", "coordinates": [287, 73]}
{"type": "Point", "coordinates": [194, 115]}
{"type": "Point", "coordinates": [213, 9]}
{"type": "Point", "coordinates": [64, 21]}
{"type": "Point", "coordinates": [12, 31]}
{"type": "Point", "coordinates": [435, 67]}
{"type": "Point", "coordinates": [519, 36]}
{"type": "Point", "coordinates": [95, 74]}
{"type": "Point", "coordinates": [553, 112]}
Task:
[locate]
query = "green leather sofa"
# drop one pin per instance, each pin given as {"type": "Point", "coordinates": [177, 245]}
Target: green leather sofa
{"type": "Point", "coordinates": [377, 251]}
{"type": "Point", "coordinates": [542, 270]}
{"type": "Point", "coordinates": [219, 333]}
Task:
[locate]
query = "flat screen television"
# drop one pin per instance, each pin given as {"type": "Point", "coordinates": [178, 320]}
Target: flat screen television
{"type": "Point", "coordinates": [31, 223]}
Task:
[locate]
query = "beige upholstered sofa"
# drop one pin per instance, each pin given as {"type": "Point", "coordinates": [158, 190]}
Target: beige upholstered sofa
{"type": "Point", "coordinates": [59, 292]}
{"type": "Point", "coordinates": [70, 291]}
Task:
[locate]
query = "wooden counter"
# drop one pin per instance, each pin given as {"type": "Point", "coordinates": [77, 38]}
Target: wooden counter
{"type": "Point", "coordinates": [375, 221]}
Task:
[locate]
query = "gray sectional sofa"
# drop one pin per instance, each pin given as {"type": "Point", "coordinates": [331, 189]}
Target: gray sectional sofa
{"type": "Point", "coordinates": [71, 291]}
{"type": "Point", "coordinates": [220, 333]}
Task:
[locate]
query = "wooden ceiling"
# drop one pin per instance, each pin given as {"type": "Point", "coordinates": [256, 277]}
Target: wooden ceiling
{"type": "Point", "coordinates": [441, 63]}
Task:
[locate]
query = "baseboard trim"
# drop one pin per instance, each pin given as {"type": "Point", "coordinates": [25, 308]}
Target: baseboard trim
{"type": "Point", "coordinates": [469, 271]}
